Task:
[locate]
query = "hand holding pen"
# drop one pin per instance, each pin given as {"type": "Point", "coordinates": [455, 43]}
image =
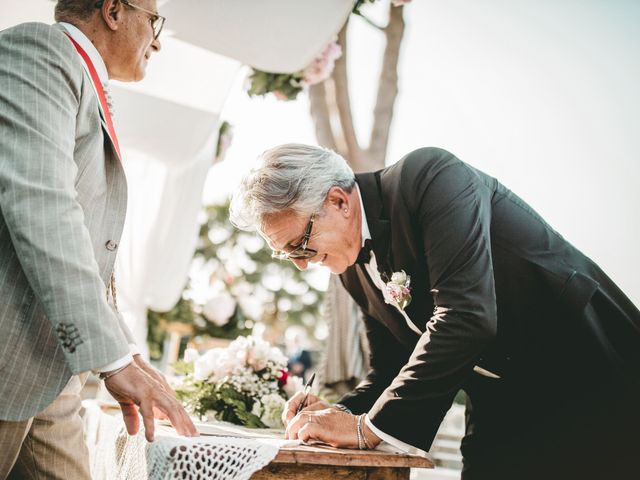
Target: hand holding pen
{"type": "Point", "coordinates": [311, 420]}
{"type": "Point", "coordinates": [301, 400]}
{"type": "Point", "coordinates": [306, 390]}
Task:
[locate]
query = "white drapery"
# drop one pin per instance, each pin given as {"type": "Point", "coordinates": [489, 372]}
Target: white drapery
{"type": "Point", "coordinates": [168, 123]}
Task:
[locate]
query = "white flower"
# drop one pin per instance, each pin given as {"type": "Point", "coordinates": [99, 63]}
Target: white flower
{"type": "Point", "coordinates": [273, 407]}
{"type": "Point", "coordinates": [252, 367]}
{"type": "Point", "coordinates": [190, 355]}
{"type": "Point", "coordinates": [277, 357]}
{"type": "Point", "coordinates": [397, 291]}
{"type": "Point", "coordinates": [210, 415]}
{"type": "Point", "coordinates": [257, 408]}
{"type": "Point", "coordinates": [259, 355]}
{"type": "Point", "coordinates": [219, 309]}
{"type": "Point", "coordinates": [399, 3]}
{"type": "Point", "coordinates": [399, 277]}
{"type": "Point", "coordinates": [294, 384]}
{"type": "Point", "coordinates": [205, 365]}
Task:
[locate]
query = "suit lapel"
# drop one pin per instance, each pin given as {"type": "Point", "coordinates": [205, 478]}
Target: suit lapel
{"type": "Point", "coordinates": [377, 219]}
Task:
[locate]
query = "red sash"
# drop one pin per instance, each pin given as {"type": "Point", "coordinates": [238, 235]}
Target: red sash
{"type": "Point", "coordinates": [97, 85]}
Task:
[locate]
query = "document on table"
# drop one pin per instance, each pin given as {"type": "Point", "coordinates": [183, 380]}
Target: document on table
{"type": "Point", "coordinates": [225, 429]}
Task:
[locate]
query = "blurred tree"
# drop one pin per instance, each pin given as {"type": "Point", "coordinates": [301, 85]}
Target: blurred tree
{"type": "Point", "coordinates": [330, 104]}
{"type": "Point", "coordinates": [234, 285]}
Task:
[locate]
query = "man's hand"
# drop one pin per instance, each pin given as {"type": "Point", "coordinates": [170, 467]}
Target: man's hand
{"type": "Point", "coordinates": [291, 407]}
{"type": "Point", "coordinates": [160, 378]}
{"type": "Point", "coordinates": [133, 387]}
{"type": "Point", "coordinates": [331, 426]}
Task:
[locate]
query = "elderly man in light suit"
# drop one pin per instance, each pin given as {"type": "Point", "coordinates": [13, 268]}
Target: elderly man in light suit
{"type": "Point", "coordinates": [63, 198]}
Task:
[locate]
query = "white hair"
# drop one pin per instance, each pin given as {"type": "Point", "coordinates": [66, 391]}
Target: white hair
{"type": "Point", "coordinates": [292, 177]}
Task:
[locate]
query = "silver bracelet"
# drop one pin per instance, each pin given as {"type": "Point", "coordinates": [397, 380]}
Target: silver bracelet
{"type": "Point", "coordinates": [364, 437]}
{"type": "Point", "coordinates": [359, 433]}
{"type": "Point", "coordinates": [107, 375]}
{"type": "Point", "coordinates": [339, 406]}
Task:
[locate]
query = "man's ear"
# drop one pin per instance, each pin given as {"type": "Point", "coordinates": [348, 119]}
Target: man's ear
{"type": "Point", "coordinates": [338, 198]}
{"type": "Point", "coordinates": [111, 12]}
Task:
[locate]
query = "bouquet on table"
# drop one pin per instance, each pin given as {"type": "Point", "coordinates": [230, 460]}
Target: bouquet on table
{"type": "Point", "coordinates": [246, 383]}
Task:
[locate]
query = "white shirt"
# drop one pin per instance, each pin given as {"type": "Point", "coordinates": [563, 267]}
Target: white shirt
{"type": "Point", "coordinates": [103, 74]}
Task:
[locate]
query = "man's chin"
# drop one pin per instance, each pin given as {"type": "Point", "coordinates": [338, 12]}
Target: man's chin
{"type": "Point", "coordinates": [338, 270]}
{"type": "Point", "coordinates": [135, 77]}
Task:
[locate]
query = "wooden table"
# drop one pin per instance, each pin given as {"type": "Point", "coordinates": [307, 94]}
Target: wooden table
{"type": "Point", "coordinates": [325, 463]}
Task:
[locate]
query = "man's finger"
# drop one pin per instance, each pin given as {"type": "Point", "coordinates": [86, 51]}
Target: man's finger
{"type": "Point", "coordinates": [146, 410]}
{"type": "Point", "coordinates": [295, 425]}
{"type": "Point", "coordinates": [315, 406]}
{"type": "Point", "coordinates": [292, 406]}
{"type": "Point", "coordinates": [160, 378]}
{"type": "Point", "coordinates": [167, 386]}
{"type": "Point", "coordinates": [159, 414]}
{"type": "Point", "coordinates": [178, 417]}
{"type": "Point", "coordinates": [130, 417]}
{"type": "Point", "coordinates": [311, 433]}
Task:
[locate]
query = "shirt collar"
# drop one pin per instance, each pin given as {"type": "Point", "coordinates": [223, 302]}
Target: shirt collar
{"type": "Point", "coordinates": [366, 233]}
{"type": "Point", "coordinates": [88, 47]}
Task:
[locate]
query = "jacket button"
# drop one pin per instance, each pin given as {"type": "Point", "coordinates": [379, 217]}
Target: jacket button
{"type": "Point", "coordinates": [111, 245]}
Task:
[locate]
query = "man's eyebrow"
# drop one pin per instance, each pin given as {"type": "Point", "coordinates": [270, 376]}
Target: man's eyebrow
{"type": "Point", "coordinates": [297, 243]}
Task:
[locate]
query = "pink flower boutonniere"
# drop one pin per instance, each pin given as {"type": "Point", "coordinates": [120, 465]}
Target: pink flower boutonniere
{"type": "Point", "coordinates": [398, 289]}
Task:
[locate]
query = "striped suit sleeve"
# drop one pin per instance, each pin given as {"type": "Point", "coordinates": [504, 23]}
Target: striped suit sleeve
{"type": "Point", "coordinates": [40, 86]}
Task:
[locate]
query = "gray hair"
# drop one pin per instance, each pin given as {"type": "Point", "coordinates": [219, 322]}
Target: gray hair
{"type": "Point", "coordinates": [74, 10]}
{"type": "Point", "coordinates": [292, 177]}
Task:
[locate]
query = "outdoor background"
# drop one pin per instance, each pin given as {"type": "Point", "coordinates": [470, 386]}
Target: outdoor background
{"type": "Point", "coordinates": [542, 95]}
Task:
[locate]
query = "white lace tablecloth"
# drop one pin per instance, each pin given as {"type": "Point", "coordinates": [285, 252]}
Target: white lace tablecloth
{"type": "Point", "coordinates": [116, 455]}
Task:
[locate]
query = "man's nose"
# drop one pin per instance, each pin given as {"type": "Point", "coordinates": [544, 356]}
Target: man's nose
{"type": "Point", "coordinates": [301, 263]}
{"type": "Point", "coordinates": [156, 45]}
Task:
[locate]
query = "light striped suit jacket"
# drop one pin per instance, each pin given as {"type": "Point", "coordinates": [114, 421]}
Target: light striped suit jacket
{"type": "Point", "coordinates": [63, 199]}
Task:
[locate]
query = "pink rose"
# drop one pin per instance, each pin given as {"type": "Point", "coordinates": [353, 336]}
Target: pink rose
{"type": "Point", "coordinates": [322, 66]}
{"type": "Point", "coordinates": [395, 291]}
{"type": "Point", "coordinates": [282, 376]}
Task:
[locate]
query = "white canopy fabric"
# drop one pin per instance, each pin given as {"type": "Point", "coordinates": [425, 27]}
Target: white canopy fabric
{"type": "Point", "coordinates": [168, 129]}
{"type": "Point", "coordinates": [168, 123]}
{"type": "Point", "coordinates": [270, 35]}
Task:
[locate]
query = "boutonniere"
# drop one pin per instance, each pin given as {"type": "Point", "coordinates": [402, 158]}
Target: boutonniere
{"type": "Point", "coordinates": [398, 289]}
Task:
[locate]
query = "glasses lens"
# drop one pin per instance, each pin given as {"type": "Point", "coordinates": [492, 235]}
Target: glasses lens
{"type": "Point", "coordinates": [158, 23]}
{"type": "Point", "coordinates": [301, 254]}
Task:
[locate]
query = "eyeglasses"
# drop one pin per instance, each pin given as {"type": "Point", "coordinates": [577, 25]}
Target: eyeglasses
{"type": "Point", "coordinates": [157, 21]}
{"type": "Point", "coordinates": [299, 252]}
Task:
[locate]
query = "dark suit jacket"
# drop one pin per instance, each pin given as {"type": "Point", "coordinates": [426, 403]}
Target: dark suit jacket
{"type": "Point", "coordinates": [492, 285]}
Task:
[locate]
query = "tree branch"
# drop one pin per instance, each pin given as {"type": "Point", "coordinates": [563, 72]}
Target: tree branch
{"type": "Point", "coordinates": [387, 90]}
{"type": "Point", "coordinates": [321, 116]}
{"type": "Point", "coordinates": [341, 84]}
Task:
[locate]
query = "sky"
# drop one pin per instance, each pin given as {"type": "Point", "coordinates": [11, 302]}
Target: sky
{"type": "Point", "coordinates": [540, 94]}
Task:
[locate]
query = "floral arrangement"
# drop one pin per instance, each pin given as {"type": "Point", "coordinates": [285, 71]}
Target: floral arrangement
{"type": "Point", "coordinates": [287, 86]}
{"type": "Point", "coordinates": [246, 383]}
{"type": "Point", "coordinates": [398, 289]}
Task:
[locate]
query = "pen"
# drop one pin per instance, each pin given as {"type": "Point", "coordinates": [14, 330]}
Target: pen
{"type": "Point", "coordinates": [306, 390]}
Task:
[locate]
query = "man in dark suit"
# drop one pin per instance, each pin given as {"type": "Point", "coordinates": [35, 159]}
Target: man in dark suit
{"type": "Point", "coordinates": [462, 286]}
{"type": "Point", "coordinates": [63, 197]}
